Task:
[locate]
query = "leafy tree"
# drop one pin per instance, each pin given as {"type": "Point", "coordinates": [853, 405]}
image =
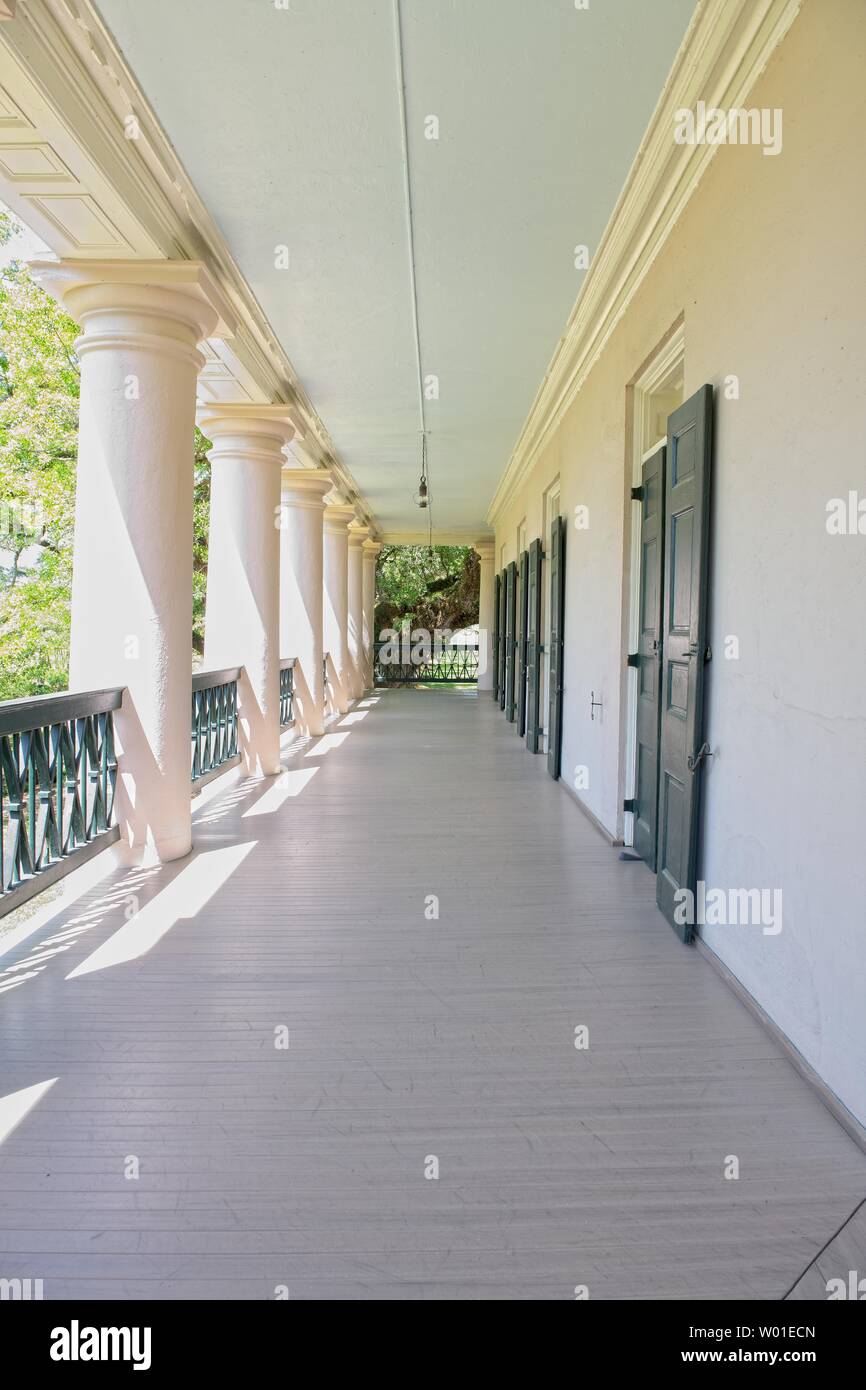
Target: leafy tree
{"type": "Point", "coordinates": [39, 383]}
{"type": "Point", "coordinates": [39, 390]}
{"type": "Point", "coordinates": [428, 588]}
{"type": "Point", "coordinates": [200, 525]}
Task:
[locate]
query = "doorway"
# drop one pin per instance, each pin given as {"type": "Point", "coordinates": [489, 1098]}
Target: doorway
{"type": "Point", "coordinates": [657, 392]}
{"type": "Point", "coordinates": [519, 711]}
{"type": "Point", "coordinates": [668, 649]}
{"type": "Point", "coordinates": [551, 517]}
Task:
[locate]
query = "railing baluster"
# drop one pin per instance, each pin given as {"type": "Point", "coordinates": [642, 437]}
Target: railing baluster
{"type": "Point", "coordinates": [287, 690]}
{"type": "Point", "coordinates": [214, 740]}
{"type": "Point", "coordinates": [51, 747]}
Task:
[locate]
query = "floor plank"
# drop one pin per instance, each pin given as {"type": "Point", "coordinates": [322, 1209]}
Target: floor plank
{"type": "Point", "coordinates": [303, 908]}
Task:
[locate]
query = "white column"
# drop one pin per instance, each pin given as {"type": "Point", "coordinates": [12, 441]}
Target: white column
{"type": "Point", "coordinates": [336, 600]}
{"type": "Point", "coordinates": [368, 631]}
{"type": "Point", "coordinates": [132, 565]}
{"type": "Point", "coordinates": [301, 600]}
{"type": "Point", "coordinates": [357, 536]}
{"type": "Point", "coordinates": [486, 551]}
{"type": "Point", "coordinates": [242, 615]}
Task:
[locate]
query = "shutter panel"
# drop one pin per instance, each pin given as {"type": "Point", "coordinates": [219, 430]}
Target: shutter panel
{"type": "Point", "coordinates": [649, 671]}
{"type": "Point", "coordinates": [510, 610]}
{"type": "Point", "coordinates": [495, 646]}
{"type": "Point", "coordinates": [503, 586]}
{"type": "Point", "coordinates": [521, 645]}
{"type": "Point", "coordinates": [557, 610]}
{"type": "Point", "coordinates": [533, 646]}
{"type": "Point", "coordinates": [684, 613]}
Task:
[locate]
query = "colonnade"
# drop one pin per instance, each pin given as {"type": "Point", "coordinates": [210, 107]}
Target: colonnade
{"type": "Point", "coordinates": [291, 567]}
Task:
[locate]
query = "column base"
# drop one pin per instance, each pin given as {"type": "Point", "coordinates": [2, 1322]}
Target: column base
{"type": "Point", "coordinates": [153, 852]}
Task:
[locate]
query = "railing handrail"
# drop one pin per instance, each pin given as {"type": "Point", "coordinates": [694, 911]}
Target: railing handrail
{"type": "Point", "coordinates": [35, 711]}
{"type": "Point", "coordinates": [287, 662]}
{"type": "Point", "coordinates": [206, 680]}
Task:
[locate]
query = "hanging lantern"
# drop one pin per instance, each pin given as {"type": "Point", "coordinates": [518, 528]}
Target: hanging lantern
{"type": "Point", "coordinates": [422, 496]}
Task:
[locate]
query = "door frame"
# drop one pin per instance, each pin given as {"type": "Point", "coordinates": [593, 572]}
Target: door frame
{"type": "Point", "coordinates": [510, 637]}
{"type": "Point", "coordinates": [551, 494]}
{"type": "Point", "coordinates": [661, 370]}
{"type": "Point", "coordinates": [556, 650]}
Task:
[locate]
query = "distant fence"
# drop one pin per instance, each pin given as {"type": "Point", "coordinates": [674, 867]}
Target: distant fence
{"type": "Point", "coordinates": [439, 666]}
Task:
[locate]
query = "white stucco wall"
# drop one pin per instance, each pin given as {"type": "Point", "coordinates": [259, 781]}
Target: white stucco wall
{"type": "Point", "coordinates": [768, 268]}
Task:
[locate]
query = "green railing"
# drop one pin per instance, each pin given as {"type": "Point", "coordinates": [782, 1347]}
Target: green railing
{"type": "Point", "coordinates": [214, 722]}
{"type": "Point", "coordinates": [58, 771]}
{"type": "Point", "coordinates": [57, 777]}
{"type": "Point", "coordinates": [287, 691]}
{"type": "Point", "coordinates": [445, 665]}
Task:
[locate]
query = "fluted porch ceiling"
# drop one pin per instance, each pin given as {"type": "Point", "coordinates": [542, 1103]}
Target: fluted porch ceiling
{"type": "Point", "coordinates": [289, 123]}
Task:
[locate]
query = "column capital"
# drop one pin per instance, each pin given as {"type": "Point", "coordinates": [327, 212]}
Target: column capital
{"type": "Point", "coordinates": [338, 517]}
{"type": "Point", "coordinates": [119, 298]}
{"type": "Point", "coordinates": [371, 549]}
{"type": "Point", "coordinates": [358, 534]}
{"type": "Point", "coordinates": [485, 548]}
{"type": "Point", "coordinates": [246, 429]}
{"type": "Point", "coordinates": [305, 487]}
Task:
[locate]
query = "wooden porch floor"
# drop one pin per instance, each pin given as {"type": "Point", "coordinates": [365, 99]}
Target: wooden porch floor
{"type": "Point", "coordinates": [303, 908]}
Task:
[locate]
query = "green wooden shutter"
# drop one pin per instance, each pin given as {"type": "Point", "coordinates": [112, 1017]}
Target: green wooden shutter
{"type": "Point", "coordinates": [557, 611]}
{"type": "Point", "coordinates": [649, 670]}
{"type": "Point", "coordinates": [503, 594]}
{"type": "Point", "coordinates": [510, 610]}
{"type": "Point", "coordinates": [495, 652]}
{"type": "Point", "coordinates": [684, 612]}
{"type": "Point", "coordinates": [533, 647]}
{"type": "Point", "coordinates": [523, 609]}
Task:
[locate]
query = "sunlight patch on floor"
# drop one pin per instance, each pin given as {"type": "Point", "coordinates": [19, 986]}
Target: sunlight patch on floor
{"type": "Point", "coordinates": [18, 1104]}
{"type": "Point", "coordinates": [326, 743]}
{"type": "Point", "coordinates": [184, 897]}
{"type": "Point", "coordinates": [290, 782]}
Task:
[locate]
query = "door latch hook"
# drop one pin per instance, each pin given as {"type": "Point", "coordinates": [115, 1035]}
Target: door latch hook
{"type": "Point", "coordinates": [694, 762]}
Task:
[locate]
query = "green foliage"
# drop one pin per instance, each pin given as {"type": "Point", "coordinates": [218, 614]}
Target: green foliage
{"type": "Point", "coordinates": [38, 431]}
{"type": "Point", "coordinates": [200, 524]}
{"type": "Point", "coordinates": [39, 389]}
{"type": "Point", "coordinates": [428, 589]}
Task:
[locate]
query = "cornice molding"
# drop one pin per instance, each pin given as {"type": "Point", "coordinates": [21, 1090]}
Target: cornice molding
{"type": "Point", "coordinates": [65, 49]}
{"type": "Point", "coordinates": [726, 48]}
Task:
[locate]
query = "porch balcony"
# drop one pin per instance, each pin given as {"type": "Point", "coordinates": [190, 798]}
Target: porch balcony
{"type": "Point", "coordinates": [336, 993]}
{"type": "Point", "coordinates": [231, 1074]}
